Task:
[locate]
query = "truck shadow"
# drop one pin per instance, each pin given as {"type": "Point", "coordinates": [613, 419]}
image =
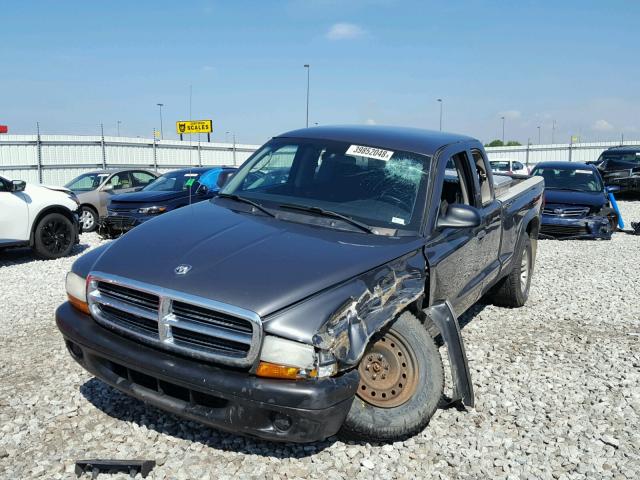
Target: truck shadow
{"type": "Point", "coordinates": [21, 255]}
{"type": "Point", "coordinates": [121, 407]}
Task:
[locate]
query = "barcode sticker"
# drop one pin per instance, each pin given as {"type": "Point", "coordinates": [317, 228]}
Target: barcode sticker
{"type": "Point", "coordinates": [584, 171]}
{"type": "Point", "coordinates": [398, 220]}
{"type": "Point", "coordinates": [369, 152]}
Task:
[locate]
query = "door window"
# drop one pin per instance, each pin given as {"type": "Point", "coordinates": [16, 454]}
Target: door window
{"type": "Point", "coordinates": [120, 181]}
{"type": "Point", "coordinates": [517, 166]}
{"type": "Point", "coordinates": [140, 179]}
{"type": "Point", "coordinates": [486, 191]}
{"type": "Point", "coordinates": [456, 186]}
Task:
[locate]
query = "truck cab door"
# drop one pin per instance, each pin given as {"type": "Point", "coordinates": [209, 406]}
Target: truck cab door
{"type": "Point", "coordinates": [452, 252]}
{"type": "Point", "coordinates": [14, 214]}
{"type": "Point", "coordinates": [490, 233]}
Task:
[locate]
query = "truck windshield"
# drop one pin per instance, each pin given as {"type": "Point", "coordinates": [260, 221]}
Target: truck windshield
{"type": "Point", "coordinates": [375, 186]}
{"type": "Point", "coordinates": [583, 180]}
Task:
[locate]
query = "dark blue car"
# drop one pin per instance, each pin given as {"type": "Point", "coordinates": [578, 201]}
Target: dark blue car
{"type": "Point", "coordinates": [576, 202]}
{"type": "Point", "coordinates": [172, 190]}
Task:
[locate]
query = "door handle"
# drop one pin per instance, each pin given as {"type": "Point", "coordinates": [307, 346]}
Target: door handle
{"type": "Point", "coordinates": [482, 234]}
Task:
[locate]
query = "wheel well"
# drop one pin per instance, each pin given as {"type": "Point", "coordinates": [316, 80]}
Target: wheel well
{"type": "Point", "coordinates": [46, 211]}
{"type": "Point", "coordinates": [533, 227]}
{"type": "Point", "coordinates": [88, 205]}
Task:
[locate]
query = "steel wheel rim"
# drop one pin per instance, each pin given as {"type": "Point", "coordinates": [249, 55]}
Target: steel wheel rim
{"type": "Point", "coordinates": [388, 372]}
{"type": "Point", "coordinates": [524, 269]}
{"type": "Point", "coordinates": [56, 236]}
{"type": "Point", "coordinates": [87, 219]}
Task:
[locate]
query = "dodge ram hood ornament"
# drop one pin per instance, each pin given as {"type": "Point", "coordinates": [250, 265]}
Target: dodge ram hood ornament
{"type": "Point", "coordinates": [182, 269]}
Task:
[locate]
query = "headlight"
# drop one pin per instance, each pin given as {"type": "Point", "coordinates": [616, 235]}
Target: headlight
{"type": "Point", "coordinates": [281, 358]}
{"type": "Point", "coordinates": [77, 291]}
{"type": "Point", "coordinates": [155, 210]}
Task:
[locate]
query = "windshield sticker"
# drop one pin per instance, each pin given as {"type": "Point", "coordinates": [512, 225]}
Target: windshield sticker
{"type": "Point", "coordinates": [397, 220]}
{"type": "Point", "coordinates": [584, 171]}
{"type": "Point", "coordinates": [191, 174]}
{"type": "Point", "coordinates": [104, 174]}
{"type": "Point", "coordinates": [189, 182]}
{"type": "Point", "coordinates": [369, 152]}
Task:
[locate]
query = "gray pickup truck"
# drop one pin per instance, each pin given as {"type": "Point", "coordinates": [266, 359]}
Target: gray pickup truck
{"type": "Point", "coordinates": [307, 298]}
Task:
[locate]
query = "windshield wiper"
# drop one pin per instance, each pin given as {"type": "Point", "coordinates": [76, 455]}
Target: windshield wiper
{"type": "Point", "coordinates": [237, 198]}
{"type": "Point", "coordinates": [328, 213]}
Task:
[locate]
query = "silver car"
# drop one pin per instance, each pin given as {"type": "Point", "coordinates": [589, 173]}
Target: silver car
{"type": "Point", "coordinates": [94, 189]}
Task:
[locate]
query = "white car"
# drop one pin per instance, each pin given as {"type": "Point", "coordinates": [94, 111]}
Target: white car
{"type": "Point", "coordinates": [44, 218]}
{"type": "Point", "coordinates": [509, 166]}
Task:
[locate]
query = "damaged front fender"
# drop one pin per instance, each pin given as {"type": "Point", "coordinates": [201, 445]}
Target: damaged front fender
{"type": "Point", "coordinates": [387, 291]}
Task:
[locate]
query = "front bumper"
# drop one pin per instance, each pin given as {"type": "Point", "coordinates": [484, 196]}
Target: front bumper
{"type": "Point", "coordinates": [628, 184]}
{"type": "Point", "coordinates": [230, 400]}
{"type": "Point", "coordinates": [115, 225]}
{"type": "Point", "coordinates": [591, 227]}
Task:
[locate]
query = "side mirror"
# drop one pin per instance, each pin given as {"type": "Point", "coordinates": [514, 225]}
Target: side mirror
{"type": "Point", "coordinates": [459, 216]}
{"type": "Point", "coordinates": [612, 188]}
{"type": "Point", "coordinates": [108, 188]}
{"type": "Point", "coordinates": [202, 190]}
{"type": "Point", "coordinates": [18, 185]}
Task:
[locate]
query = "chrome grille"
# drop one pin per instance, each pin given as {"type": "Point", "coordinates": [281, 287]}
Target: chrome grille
{"type": "Point", "coordinates": [567, 212]}
{"type": "Point", "coordinates": [175, 321]}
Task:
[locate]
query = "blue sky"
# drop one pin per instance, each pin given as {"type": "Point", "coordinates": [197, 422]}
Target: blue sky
{"type": "Point", "coordinates": [72, 65]}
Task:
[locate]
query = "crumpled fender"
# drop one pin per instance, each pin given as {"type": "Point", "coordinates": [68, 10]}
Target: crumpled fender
{"type": "Point", "coordinates": [387, 292]}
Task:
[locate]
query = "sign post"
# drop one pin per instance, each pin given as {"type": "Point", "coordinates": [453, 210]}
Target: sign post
{"type": "Point", "coordinates": [184, 127]}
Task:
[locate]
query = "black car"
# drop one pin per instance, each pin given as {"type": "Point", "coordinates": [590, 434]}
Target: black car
{"type": "Point", "coordinates": [172, 190]}
{"type": "Point", "coordinates": [305, 297]}
{"type": "Point", "coordinates": [576, 201]}
{"type": "Point", "coordinates": [620, 167]}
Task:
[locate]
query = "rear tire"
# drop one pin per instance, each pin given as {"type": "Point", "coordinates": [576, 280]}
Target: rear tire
{"type": "Point", "coordinates": [401, 404]}
{"type": "Point", "coordinates": [54, 236]}
{"type": "Point", "coordinates": [88, 219]}
{"type": "Point", "coordinates": [513, 290]}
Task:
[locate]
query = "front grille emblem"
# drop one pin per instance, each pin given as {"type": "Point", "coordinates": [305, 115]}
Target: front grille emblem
{"type": "Point", "coordinates": [182, 269]}
{"type": "Point", "coordinates": [557, 211]}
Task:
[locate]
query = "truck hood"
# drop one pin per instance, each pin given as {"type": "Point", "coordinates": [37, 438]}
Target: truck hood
{"type": "Point", "coordinates": [567, 197]}
{"type": "Point", "coordinates": [251, 261]}
{"type": "Point", "coordinates": [145, 197]}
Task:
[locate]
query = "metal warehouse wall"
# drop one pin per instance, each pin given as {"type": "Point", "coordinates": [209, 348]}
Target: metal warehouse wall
{"type": "Point", "coordinates": [56, 159]}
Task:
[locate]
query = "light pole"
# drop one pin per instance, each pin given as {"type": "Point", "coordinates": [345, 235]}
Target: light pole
{"type": "Point", "coordinates": [226, 137]}
{"type": "Point", "coordinates": [553, 132]}
{"type": "Point", "coordinates": [439, 100]}
{"type": "Point", "coordinates": [160, 105]}
{"type": "Point", "coordinates": [539, 136]}
{"type": "Point", "coordinates": [308, 67]}
{"type": "Point", "coordinates": [118, 126]}
{"type": "Point", "coordinates": [503, 144]}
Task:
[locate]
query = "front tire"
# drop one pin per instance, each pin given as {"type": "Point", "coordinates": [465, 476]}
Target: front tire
{"type": "Point", "coordinates": [513, 290]}
{"type": "Point", "coordinates": [88, 219]}
{"type": "Point", "coordinates": [54, 236]}
{"type": "Point", "coordinates": [401, 384]}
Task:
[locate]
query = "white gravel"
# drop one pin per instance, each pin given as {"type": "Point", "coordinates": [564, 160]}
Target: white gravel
{"type": "Point", "coordinates": [557, 386]}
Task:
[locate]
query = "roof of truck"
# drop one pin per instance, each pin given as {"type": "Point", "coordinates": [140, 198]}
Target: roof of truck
{"type": "Point", "coordinates": [415, 140]}
{"type": "Point", "coordinates": [566, 165]}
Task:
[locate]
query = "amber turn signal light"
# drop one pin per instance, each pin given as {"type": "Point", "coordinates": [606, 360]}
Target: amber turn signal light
{"type": "Point", "coordinates": [79, 304]}
{"type": "Point", "coordinates": [271, 370]}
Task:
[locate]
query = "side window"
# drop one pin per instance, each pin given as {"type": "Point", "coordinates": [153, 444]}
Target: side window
{"type": "Point", "coordinates": [456, 186]}
{"type": "Point", "coordinates": [517, 166]}
{"type": "Point", "coordinates": [486, 192]}
{"type": "Point", "coordinates": [120, 181]}
{"type": "Point", "coordinates": [140, 179]}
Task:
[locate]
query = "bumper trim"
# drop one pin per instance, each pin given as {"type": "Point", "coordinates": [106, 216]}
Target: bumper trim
{"type": "Point", "coordinates": [229, 400]}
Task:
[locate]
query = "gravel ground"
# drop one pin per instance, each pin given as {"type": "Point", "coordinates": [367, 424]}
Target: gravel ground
{"type": "Point", "coordinates": [557, 387]}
